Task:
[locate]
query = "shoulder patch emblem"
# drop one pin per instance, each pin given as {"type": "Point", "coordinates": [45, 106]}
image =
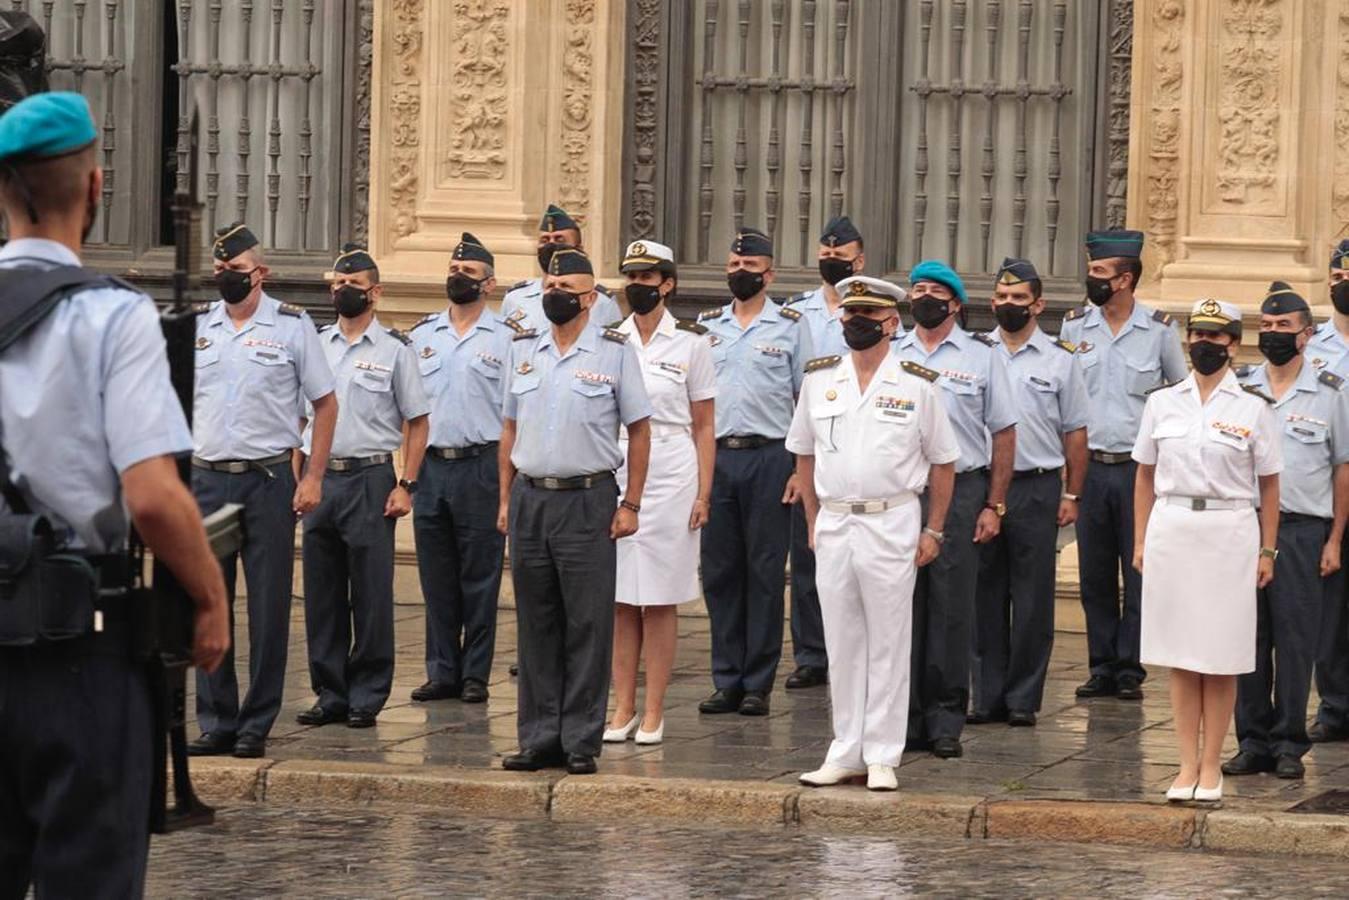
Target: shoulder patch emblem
{"type": "Point", "coordinates": [1256, 392]}
{"type": "Point", "coordinates": [1331, 379]}
{"type": "Point", "coordinates": [983, 338]}
{"type": "Point", "coordinates": [613, 334]}
{"type": "Point", "coordinates": [525, 334]}
{"type": "Point", "coordinates": [1066, 345]}
{"type": "Point", "coordinates": [789, 313]}
{"type": "Point", "coordinates": [710, 313]}
{"type": "Point", "coordinates": [400, 337]}
{"type": "Point", "coordinates": [290, 309]}
{"type": "Point", "coordinates": [1164, 318]}
{"type": "Point", "coordinates": [921, 371]}
{"type": "Point", "coordinates": [822, 362]}
{"type": "Point", "coordinates": [1161, 387]}
{"type": "Point", "coordinates": [202, 343]}
{"type": "Point", "coordinates": [684, 325]}
{"type": "Point", "coordinates": [430, 318]}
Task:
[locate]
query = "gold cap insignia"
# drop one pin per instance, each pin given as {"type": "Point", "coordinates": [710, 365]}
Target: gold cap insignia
{"type": "Point", "coordinates": [857, 288]}
{"type": "Point", "coordinates": [1210, 308]}
{"type": "Point", "coordinates": [1008, 277]}
{"type": "Point", "coordinates": [637, 249]}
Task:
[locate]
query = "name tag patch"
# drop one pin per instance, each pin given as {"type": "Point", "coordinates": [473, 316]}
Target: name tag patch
{"type": "Point", "coordinates": [894, 409]}
{"type": "Point", "coordinates": [594, 377]}
{"type": "Point", "coordinates": [489, 359]}
{"type": "Point", "coordinates": [672, 368]}
{"type": "Point", "coordinates": [1236, 431]}
{"type": "Point", "coordinates": [368, 366]}
{"type": "Point", "coordinates": [770, 350]}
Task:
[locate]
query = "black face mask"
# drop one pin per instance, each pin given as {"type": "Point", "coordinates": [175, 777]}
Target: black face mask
{"type": "Point", "coordinates": [642, 298]}
{"type": "Point", "coordinates": [930, 312]}
{"type": "Point", "coordinates": [1207, 357]}
{"type": "Point", "coordinates": [1279, 347]}
{"type": "Point", "coordinates": [1012, 318]}
{"type": "Point", "coordinates": [461, 288]}
{"type": "Point", "coordinates": [561, 306]}
{"type": "Point", "coordinates": [234, 286]}
{"type": "Point", "coordinates": [861, 333]}
{"type": "Point", "coordinates": [1339, 295]}
{"type": "Point", "coordinates": [744, 284]}
{"type": "Point", "coordinates": [350, 301]}
{"type": "Point", "coordinates": [1099, 290]}
{"type": "Point", "coordinates": [834, 270]}
{"type": "Point", "coordinates": [546, 252]}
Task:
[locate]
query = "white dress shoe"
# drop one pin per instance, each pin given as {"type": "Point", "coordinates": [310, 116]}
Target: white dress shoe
{"type": "Point", "coordinates": [1181, 794]}
{"type": "Point", "coordinates": [619, 735]}
{"type": "Point", "coordinates": [828, 774]}
{"type": "Point", "coordinates": [1209, 795]}
{"type": "Point", "coordinates": [881, 778]}
{"type": "Point", "coordinates": [652, 737]}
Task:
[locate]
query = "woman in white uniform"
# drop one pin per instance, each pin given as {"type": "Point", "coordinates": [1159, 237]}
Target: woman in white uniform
{"type": "Point", "coordinates": [658, 566]}
{"type": "Point", "coordinates": [1203, 443]}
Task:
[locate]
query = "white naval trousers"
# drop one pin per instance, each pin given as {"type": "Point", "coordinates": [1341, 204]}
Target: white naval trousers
{"type": "Point", "coordinates": [865, 573]}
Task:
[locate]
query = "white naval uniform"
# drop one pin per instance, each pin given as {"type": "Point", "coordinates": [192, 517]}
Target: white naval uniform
{"type": "Point", "coordinates": [877, 445]}
{"type": "Point", "coordinates": [658, 566]}
{"type": "Point", "coordinates": [1200, 567]}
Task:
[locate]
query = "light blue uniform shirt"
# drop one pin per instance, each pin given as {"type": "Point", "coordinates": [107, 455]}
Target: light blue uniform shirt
{"type": "Point", "coordinates": [1327, 351]}
{"type": "Point", "coordinates": [1121, 368]}
{"type": "Point", "coordinates": [826, 328]}
{"type": "Point", "coordinates": [1051, 397]}
{"type": "Point", "coordinates": [975, 392]}
{"type": "Point", "coordinates": [464, 376]}
{"type": "Point", "coordinates": [251, 382]}
{"type": "Point", "coordinates": [1314, 418]}
{"type": "Point", "coordinates": [567, 408]}
{"type": "Point", "coordinates": [85, 396]}
{"type": "Point", "coordinates": [378, 388]}
{"type": "Point", "coordinates": [759, 368]}
{"type": "Point", "coordinates": [524, 304]}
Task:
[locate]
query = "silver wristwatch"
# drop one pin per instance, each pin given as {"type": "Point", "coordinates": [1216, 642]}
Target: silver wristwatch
{"type": "Point", "coordinates": [935, 535]}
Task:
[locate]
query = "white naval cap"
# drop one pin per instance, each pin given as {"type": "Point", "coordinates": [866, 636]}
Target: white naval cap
{"type": "Point", "coordinates": [865, 291]}
{"type": "Point", "coordinates": [642, 255]}
{"type": "Point", "coordinates": [1215, 316]}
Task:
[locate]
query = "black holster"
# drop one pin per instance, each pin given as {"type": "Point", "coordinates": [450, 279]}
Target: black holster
{"type": "Point", "coordinates": [45, 595]}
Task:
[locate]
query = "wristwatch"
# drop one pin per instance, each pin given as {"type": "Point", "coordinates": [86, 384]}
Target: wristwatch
{"type": "Point", "coordinates": [409, 486]}
{"type": "Point", "coordinates": [999, 508]}
{"type": "Point", "coordinates": [630, 506]}
{"type": "Point", "coordinates": [1269, 553]}
{"type": "Point", "coordinates": [936, 535]}
{"type": "Point", "coordinates": [1072, 497]}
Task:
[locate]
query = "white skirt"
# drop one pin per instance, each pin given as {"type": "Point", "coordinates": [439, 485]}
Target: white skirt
{"type": "Point", "coordinates": [658, 566]}
{"type": "Point", "coordinates": [1199, 574]}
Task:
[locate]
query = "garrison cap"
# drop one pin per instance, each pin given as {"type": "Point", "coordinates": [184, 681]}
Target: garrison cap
{"type": "Point", "coordinates": [570, 261]}
{"type": "Point", "coordinates": [555, 218]}
{"type": "Point", "coordinates": [1339, 257]}
{"type": "Point", "coordinates": [231, 240]}
{"type": "Point", "coordinates": [1017, 271]}
{"type": "Point", "coordinates": [941, 273]}
{"type": "Point", "coordinates": [1281, 300]}
{"type": "Point", "coordinates": [1114, 243]}
{"type": "Point", "coordinates": [1216, 317]}
{"type": "Point", "coordinates": [353, 258]}
{"type": "Point", "coordinates": [751, 242]}
{"type": "Point", "coordinates": [470, 249]}
{"type": "Point", "coordinates": [642, 256]}
{"type": "Point", "coordinates": [870, 293]}
{"type": "Point", "coordinates": [839, 231]}
{"type": "Point", "coordinates": [45, 126]}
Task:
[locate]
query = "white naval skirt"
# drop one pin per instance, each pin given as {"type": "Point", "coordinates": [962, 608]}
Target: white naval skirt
{"type": "Point", "coordinates": [1199, 574]}
{"type": "Point", "coordinates": [658, 566]}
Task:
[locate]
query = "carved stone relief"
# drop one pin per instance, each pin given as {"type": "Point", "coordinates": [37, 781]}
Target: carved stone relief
{"type": "Point", "coordinates": [1121, 37]}
{"type": "Point", "coordinates": [405, 108]}
{"type": "Point", "coordinates": [480, 83]}
{"type": "Point", "coordinates": [365, 49]}
{"type": "Point", "coordinates": [1164, 129]}
{"type": "Point", "coordinates": [645, 66]}
{"type": "Point", "coordinates": [1340, 202]}
{"type": "Point", "coordinates": [1248, 100]}
{"type": "Point", "coordinates": [578, 68]}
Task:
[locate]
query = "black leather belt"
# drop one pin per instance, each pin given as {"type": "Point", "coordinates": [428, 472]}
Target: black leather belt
{"type": "Point", "coordinates": [982, 470]}
{"type": "Point", "coordinates": [472, 451]}
{"type": "Point", "coordinates": [745, 441]}
{"type": "Point", "coordinates": [240, 466]}
{"type": "Point", "coordinates": [356, 463]}
{"type": "Point", "coordinates": [573, 483]}
{"type": "Point", "coordinates": [1111, 459]}
{"type": "Point", "coordinates": [1035, 473]}
{"type": "Point", "coordinates": [1292, 517]}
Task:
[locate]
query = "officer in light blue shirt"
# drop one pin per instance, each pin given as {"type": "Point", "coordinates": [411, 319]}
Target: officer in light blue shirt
{"type": "Point", "coordinates": [567, 392]}
{"type": "Point", "coordinates": [1312, 408]}
{"type": "Point", "coordinates": [349, 537]}
{"type": "Point", "coordinates": [256, 360]}
{"type": "Point", "coordinates": [1329, 350]}
{"type": "Point", "coordinates": [983, 411]}
{"type": "Point", "coordinates": [523, 303]}
{"type": "Point", "coordinates": [464, 354]}
{"type": "Point", "coordinates": [1015, 597]}
{"type": "Point", "coordinates": [1126, 349]}
{"type": "Point", "coordinates": [760, 351]}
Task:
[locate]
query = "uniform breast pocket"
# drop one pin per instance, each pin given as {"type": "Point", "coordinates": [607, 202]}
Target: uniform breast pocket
{"type": "Point", "coordinates": [668, 372]}
{"type": "Point", "coordinates": [592, 390]}
{"type": "Point", "coordinates": [1140, 378]}
{"type": "Point", "coordinates": [964, 395]}
{"type": "Point", "coordinates": [429, 365]}
{"type": "Point", "coordinates": [1230, 440]}
{"type": "Point", "coordinates": [778, 363]}
{"type": "Point", "coordinates": [523, 385]}
{"type": "Point", "coordinates": [371, 391]}
{"type": "Point", "coordinates": [826, 422]}
{"type": "Point", "coordinates": [1045, 391]}
{"type": "Point", "coordinates": [269, 356]}
{"type": "Point", "coordinates": [1307, 432]}
{"type": "Point", "coordinates": [207, 356]}
{"type": "Point", "coordinates": [488, 375]}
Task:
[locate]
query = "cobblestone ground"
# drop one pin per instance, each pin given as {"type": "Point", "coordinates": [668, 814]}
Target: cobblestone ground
{"type": "Point", "coordinates": [260, 851]}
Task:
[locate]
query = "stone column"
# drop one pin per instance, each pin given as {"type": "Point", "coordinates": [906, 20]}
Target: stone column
{"type": "Point", "coordinates": [1239, 155]}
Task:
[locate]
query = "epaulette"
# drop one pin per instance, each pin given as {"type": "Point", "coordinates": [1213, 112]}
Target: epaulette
{"type": "Point", "coordinates": [201, 307]}
{"type": "Point", "coordinates": [514, 325]}
{"type": "Point", "coordinates": [1163, 317]}
{"type": "Point", "coordinates": [788, 313]}
{"type": "Point", "coordinates": [399, 336]}
{"type": "Point", "coordinates": [1161, 387]}
{"type": "Point", "coordinates": [603, 290]}
{"type": "Point", "coordinates": [1076, 312]}
{"type": "Point", "coordinates": [518, 285]}
{"type": "Point", "coordinates": [1243, 370]}
{"type": "Point", "coordinates": [1066, 345]}
{"type": "Point", "coordinates": [822, 362]}
{"type": "Point", "coordinates": [1255, 391]}
{"type": "Point", "coordinates": [796, 298]}
{"type": "Point", "coordinates": [525, 334]}
{"type": "Point", "coordinates": [613, 334]}
{"type": "Point", "coordinates": [710, 313]}
{"type": "Point", "coordinates": [1331, 379]}
{"type": "Point", "coordinates": [983, 339]}
{"type": "Point", "coordinates": [684, 325]}
{"type": "Point", "coordinates": [290, 309]}
{"type": "Point", "coordinates": [430, 318]}
{"type": "Point", "coordinates": [921, 371]}
{"type": "Point", "coordinates": [323, 328]}
{"type": "Point", "coordinates": [614, 324]}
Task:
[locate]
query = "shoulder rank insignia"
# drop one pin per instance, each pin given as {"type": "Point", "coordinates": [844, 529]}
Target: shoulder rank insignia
{"type": "Point", "coordinates": [613, 334]}
{"type": "Point", "coordinates": [200, 308]}
{"type": "Point", "coordinates": [1066, 345]}
{"type": "Point", "coordinates": [685, 325]}
{"type": "Point", "coordinates": [1255, 391]}
{"type": "Point", "coordinates": [290, 309]}
{"type": "Point", "coordinates": [1331, 379]}
{"type": "Point", "coordinates": [430, 318]}
{"type": "Point", "coordinates": [1076, 312]}
{"type": "Point", "coordinates": [983, 338]}
{"type": "Point", "coordinates": [399, 336]}
{"type": "Point", "coordinates": [789, 313]}
{"type": "Point", "coordinates": [921, 371]}
{"type": "Point", "coordinates": [709, 313]}
{"type": "Point", "coordinates": [518, 285]}
{"type": "Point", "coordinates": [614, 324]}
{"type": "Point", "coordinates": [1163, 317]}
{"type": "Point", "coordinates": [1161, 387]}
{"type": "Point", "coordinates": [525, 334]}
{"type": "Point", "coordinates": [822, 362]}
{"type": "Point", "coordinates": [515, 325]}
{"type": "Point", "coordinates": [1243, 370]}
{"type": "Point", "coordinates": [323, 328]}
{"type": "Point", "coordinates": [796, 298]}
{"type": "Point", "coordinates": [603, 290]}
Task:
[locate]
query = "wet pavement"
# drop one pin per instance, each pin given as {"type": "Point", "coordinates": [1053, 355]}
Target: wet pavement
{"type": "Point", "coordinates": [261, 850]}
{"type": "Point", "coordinates": [1102, 749]}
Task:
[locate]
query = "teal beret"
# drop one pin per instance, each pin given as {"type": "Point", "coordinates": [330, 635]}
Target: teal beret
{"type": "Point", "coordinates": [46, 125]}
{"type": "Point", "coordinates": [941, 273]}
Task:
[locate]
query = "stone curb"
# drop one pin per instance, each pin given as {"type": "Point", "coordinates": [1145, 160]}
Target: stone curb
{"type": "Point", "coordinates": [691, 801]}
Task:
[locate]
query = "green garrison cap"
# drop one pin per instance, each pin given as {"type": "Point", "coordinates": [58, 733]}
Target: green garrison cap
{"type": "Point", "coordinates": [839, 231]}
{"type": "Point", "coordinates": [231, 240]}
{"type": "Point", "coordinates": [46, 125]}
{"type": "Point", "coordinates": [353, 258]}
{"type": "Point", "coordinates": [751, 242]}
{"type": "Point", "coordinates": [555, 218]}
{"type": "Point", "coordinates": [470, 249]}
{"type": "Point", "coordinates": [1281, 300]}
{"type": "Point", "coordinates": [1017, 271]}
{"type": "Point", "coordinates": [1114, 243]}
{"type": "Point", "coordinates": [570, 261]}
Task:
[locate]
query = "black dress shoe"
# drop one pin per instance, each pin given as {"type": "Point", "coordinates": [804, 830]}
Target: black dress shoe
{"type": "Point", "coordinates": [474, 691]}
{"type": "Point", "coordinates": [528, 760]}
{"type": "Point", "coordinates": [361, 718]}
{"type": "Point", "coordinates": [727, 701]}
{"type": "Point", "coordinates": [1097, 686]}
{"type": "Point", "coordinates": [755, 703]}
{"type": "Point", "coordinates": [1318, 733]}
{"type": "Point", "coordinates": [580, 764]}
{"type": "Point", "coordinates": [250, 746]}
{"type": "Point", "coordinates": [807, 677]}
{"type": "Point", "coordinates": [1248, 763]}
{"type": "Point", "coordinates": [317, 715]}
{"type": "Point", "coordinates": [1289, 766]}
{"type": "Point", "coordinates": [514, 669]}
{"type": "Point", "coordinates": [435, 690]}
{"type": "Point", "coordinates": [212, 743]}
{"type": "Point", "coordinates": [1021, 719]}
{"type": "Point", "coordinates": [947, 748]}
{"type": "Point", "coordinates": [1130, 688]}
{"type": "Point", "coordinates": [983, 717]}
